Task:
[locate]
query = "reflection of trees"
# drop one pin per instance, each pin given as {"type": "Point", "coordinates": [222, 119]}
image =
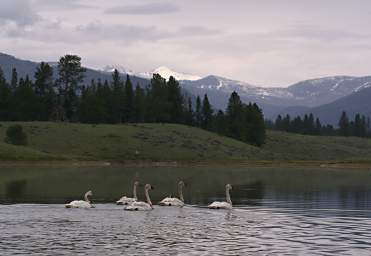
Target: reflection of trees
{"type": "Point", "coordinates": [15, 190]}
{"type": "Point", "coordinates": [251, 193]}
{"type": "Point", "coordinates": [353, 197]}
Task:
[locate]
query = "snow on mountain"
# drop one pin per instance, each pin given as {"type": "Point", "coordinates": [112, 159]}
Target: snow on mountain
{"type": "Point", "coordinates": [121, 69]}
{"type": "Point", "coordinates": [166, 72]}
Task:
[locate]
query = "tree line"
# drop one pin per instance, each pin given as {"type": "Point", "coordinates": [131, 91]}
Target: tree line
{"type": "Point", "coordinates": [359, 127]}
{"type": "Point", "coordinates": [66, 98]}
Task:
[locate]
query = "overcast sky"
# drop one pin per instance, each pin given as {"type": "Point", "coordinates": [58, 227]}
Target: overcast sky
{"type": "Point", "coordinates": [263, 42]}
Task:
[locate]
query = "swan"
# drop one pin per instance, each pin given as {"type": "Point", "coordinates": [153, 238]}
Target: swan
{"type": "Point", "coordinates": [81, 203]}
{"type": "Point", "coordinates": [142, 206]}
{"type": "Point", "coordinates": [223, 205]}
{"type": "Point", "coordinates": [129, 200]}
{"type": "Point", "coordinates": [173, 201]}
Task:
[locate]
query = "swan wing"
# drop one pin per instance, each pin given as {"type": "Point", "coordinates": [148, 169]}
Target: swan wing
{"type": "Point", "coordinates": [139, 206]}
{"type": "Point", "coordinates": [171, 202]}
{"type": "Point", "coordinates": [78, 204]}
{"type": "Point", "coordinates": [125, 200]}
{"type": "Point", "coordinates": [220, 205]}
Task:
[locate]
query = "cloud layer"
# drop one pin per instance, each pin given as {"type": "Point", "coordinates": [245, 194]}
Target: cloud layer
{"type": "Point", "coordinates": [262, 42]}
{"type": "Point", "coordinates": [143, 9]}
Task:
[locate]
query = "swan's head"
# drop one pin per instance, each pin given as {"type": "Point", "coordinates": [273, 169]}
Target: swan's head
{"type": "Point", "coordinates": [181, 183]}
{"type": "Point", "coordinates": [136, 183]}
{"type": "Point", "coordinates": [89, 193]}
{"type": "Point", "coordinates": [228, 186]}
{"type": "Point", "coordinates": [148, 187]}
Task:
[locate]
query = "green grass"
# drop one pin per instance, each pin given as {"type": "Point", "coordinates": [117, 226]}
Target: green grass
{"type": "Point", "coordinates": [171, 142]}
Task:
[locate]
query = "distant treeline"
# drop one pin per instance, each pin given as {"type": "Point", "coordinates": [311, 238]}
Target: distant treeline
{"type": "Point", "coordinates": [119, 101]}
{"type": "Point", "coordinates": [359, 127]}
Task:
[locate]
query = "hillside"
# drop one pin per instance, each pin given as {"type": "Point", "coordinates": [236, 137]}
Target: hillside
{"type": "Point", "coordinates": [170, 142]}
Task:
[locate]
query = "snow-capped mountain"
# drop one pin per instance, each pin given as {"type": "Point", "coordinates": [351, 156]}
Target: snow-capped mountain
{"type": "Point", "coordinates": [166, 72]}
{"type": "Point", "coordinates": [305, 94]}
{"type": "Point", "coordinates": [121, 69]}
{"type": "Point", "coordinates": [296, 98]}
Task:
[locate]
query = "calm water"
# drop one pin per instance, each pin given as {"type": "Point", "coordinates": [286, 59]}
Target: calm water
{"type": "Point", "coordinates": [277, 212]}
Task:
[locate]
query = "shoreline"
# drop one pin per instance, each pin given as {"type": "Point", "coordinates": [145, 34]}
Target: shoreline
{"type": "Point", "coordinates": [148, 163]}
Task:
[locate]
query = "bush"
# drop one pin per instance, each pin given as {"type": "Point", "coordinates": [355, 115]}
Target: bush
{"type": "Point", "coordinates": [15, 135]}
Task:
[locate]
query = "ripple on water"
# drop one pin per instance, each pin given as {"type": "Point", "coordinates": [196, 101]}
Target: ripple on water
{"type": "Point", "coordinates": [108, 230]}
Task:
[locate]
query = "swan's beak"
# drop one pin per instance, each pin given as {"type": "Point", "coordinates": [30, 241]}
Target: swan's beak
{"type": "Point", "coordinates": [152, 187]}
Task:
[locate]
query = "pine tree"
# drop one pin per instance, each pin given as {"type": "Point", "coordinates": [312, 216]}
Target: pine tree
{"type": "Point", "coordinates": [44, 90]}
{"type": "Point", "coordinates": [139, 104]}
{"type": "Point", "coordinates": [318, 127]}
{"type": "Point", "coordinates": [207, 114]}
{"type": "Point", "coordinates": [357, 129]}
{"type": "Point", "coordinates": [71, 74]}
{"type": "Point", "coordinates": [24, 102]}
{"type": "Point", "coordinates": [5, 95]}
{"type": "Point", "coordinates": [43, 79]}
{"type": "Point", "coordinates": [14, 80]}
{"type": "Point", "coordinates": [158, 108]}
{"type": "Point", "coordinates": [198, 111]}
{"type": "Point", "coordinates": [220, 123]}
{"type": "Point", "coordinates": [189, 114]}
{"type": "Point", "coordinates": [175, 99]}
{"type": "Point", "coordinates": [234, 116]}
{"type": "Point", "coordinates": [278, 123]}
{"type": "Point", "coordinates": [128, 100]}
{"type": "Point", "coordinates": [344, 125]}
{"type": "Point", "coordinates": [117, 97]}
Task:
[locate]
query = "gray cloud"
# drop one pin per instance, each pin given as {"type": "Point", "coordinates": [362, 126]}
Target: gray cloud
{"type": "Point", "coordinates": [64, 4]}
{"type": "Point", "coordinates": [263, 42]}
{"type": "Point", "coordinates": [144, 9]}
{"type": "Point", "coordinates": [125, 33]}
{"type": "Point", "coordinates": [19, 12]}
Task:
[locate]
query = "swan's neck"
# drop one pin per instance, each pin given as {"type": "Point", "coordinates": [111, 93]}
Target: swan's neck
{"type": "Point", "coordinates": [147, 197]}
{"type": "Point", "coordinates": [228, 196]}
{"type": "Point", "coordinates": [135, 191]}
{"type": "Point", "coordinates": [86, 197]}
{"type": "Point", "coordinates": [180, 191]}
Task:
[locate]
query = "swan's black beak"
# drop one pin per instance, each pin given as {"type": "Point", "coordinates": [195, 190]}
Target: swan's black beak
{"type": "Point", "coordinates": [152, 187]}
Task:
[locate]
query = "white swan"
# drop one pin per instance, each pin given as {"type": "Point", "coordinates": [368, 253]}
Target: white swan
{"type": "Point", "coordinates": [173, 201]}
{"type": "Point", "coordinates": [129, 200]}
{"type": "Point", "coordinates": [223, 205]}
{"type": "Point", "coordinates": [81, 203]}
{"type": "Point", "coordinates": [142, 206]}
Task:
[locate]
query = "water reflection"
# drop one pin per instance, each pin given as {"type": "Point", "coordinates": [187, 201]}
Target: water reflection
{"type": "Point", "coordinates": [15, 190]}
{"type": "Point", "coordinates": [268, 187]}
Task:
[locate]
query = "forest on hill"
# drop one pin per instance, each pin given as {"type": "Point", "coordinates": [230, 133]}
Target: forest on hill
{"type": "Point", "coordinates": [67, 99]}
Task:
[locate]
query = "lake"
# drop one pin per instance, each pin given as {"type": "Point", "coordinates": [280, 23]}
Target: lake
{"type": "Point", "coordinates": [277, 211]}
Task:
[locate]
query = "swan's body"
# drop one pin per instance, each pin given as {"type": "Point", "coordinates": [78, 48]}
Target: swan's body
{"type": "Point", "coordinates": [86, 203]}
{"type": "Point", "coordinates": [142, 206]}
{"type": "Point", "coordinates": [129, 200]}
{"type": "Point", "coordinates": [223, 205]}
{"type": "Point", "coordinates": [173, 201]}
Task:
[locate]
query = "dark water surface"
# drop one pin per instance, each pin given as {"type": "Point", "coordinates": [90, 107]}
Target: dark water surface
{"type": "Point", "coordinates": [278, 211]}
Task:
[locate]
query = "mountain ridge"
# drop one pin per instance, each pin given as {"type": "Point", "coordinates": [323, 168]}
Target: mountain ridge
{"type": "Point", "coordinates": [306, 94]}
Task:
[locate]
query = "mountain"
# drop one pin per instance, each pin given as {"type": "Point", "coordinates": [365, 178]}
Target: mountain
{"type": "Point", "coordinates": [295, 99]}
{"type": "Point", "coordinates": [166, 72]}
{"type": "Point", "coordinates": [357, 102]}
{"type": "Point", "coordinates": [25, 67]}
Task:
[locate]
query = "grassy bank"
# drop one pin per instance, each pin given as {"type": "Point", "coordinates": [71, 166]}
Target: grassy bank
{"type": "Point", "coordinates": [170, 142]}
